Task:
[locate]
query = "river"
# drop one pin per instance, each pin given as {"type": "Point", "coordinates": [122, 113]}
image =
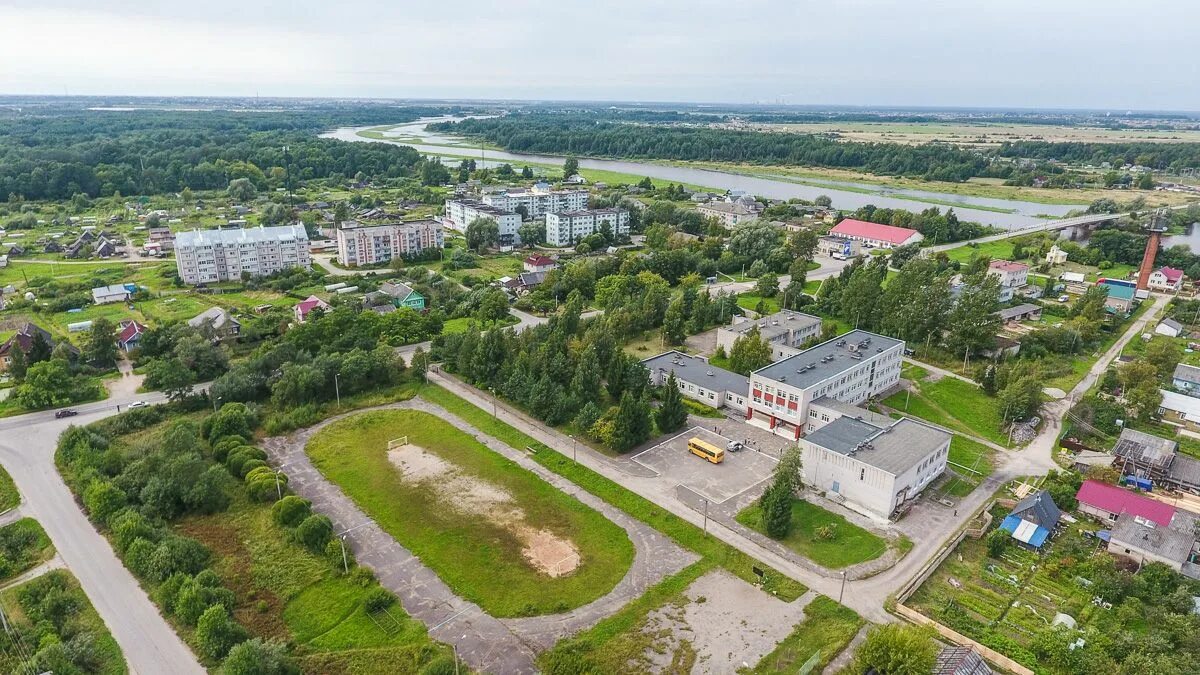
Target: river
{"type": "Point", "coordinates": [1020, 214]}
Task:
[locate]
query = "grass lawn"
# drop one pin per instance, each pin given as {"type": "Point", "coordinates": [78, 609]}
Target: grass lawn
{"type": "Point", "coordinates": [114, 312]}
{"type": "Point", "coordinates": [996, 250]}
{"type": "Point", "coordinates": [811, 287]}
{"type": "Point", "coordinates": [173, 308]}
{"type": "Point", "coordinates": [482, 561]}
{"type": "Point", "coordinates": [682, 532]}
{"type": "Point", "coordinates": [954, 404]}
{"type": "Point", "coordinates": [105, 655]}
{"type": "Point", "coordinates": [461, 324]}
{"type": "Point", "coordinates": [750, 301]}
{"type": "Point", "coordinates": [827, 627]}
{"type": "Point", "coordinates": [850, 544]}
{"type": "Point", "coordinates": [9, 496]}
{"type": "Point", "coordinates": [973, 455]}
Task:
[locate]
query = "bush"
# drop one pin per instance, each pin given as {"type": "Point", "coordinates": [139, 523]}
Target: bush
{"type": "Point", "coordinates": [259, 657]}
{"type": "Point", "coordinates": [314, 532]}
{"type": "Point", "coordinates": [217, 633]}
{"type": "Point", "coordinates": [377, 599]}
{"type": "Point", "coordinates": [440, 665]}
{"type": "Point", "coordinates": [225, 445]}
{"type": "Point", "coordinates": [233, 419]}
{"type": "Point", "coordinates": [997, 541]}
{"type": "Point", "coordinates": [238, 458]}
{"type": "Point", "coordinates": [291, 510]}
{"type": "Point", "coordinates": [103, 499]}
{"type": "Point", "coordinates": [340, 557]}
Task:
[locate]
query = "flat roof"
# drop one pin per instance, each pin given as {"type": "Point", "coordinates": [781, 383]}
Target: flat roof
{"type": "Point", "coordinates": [827, 359]}
{"type": "Point", "coordinates": [775, 324]}
{"type": "Point", "coordinates": [894, 449]}
{"type": "Point", "coordinates": [698, 371]}
{"type": "Point", "coordinates": [851, 410]}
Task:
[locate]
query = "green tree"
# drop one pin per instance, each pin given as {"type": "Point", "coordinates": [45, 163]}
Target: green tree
{"type": "Point", "coordinates": [526, 172]}
{"type": "Point", "coordinates": [672, 414]}
{"type": "Point", "coordinates": [631, 425]}
{"type": "Point", "coordinates": [898, 649]}
{"type": "Point", "coordinates": [493, 307]}
{"type": "Point", "coordinates": [776, 506]}
{"type": "Point", "coordinates": [767, 286]}
{"type": "Point", "coordinates": [570, 167]}
{"type": "Point", "coordinates": [47, 384]}
{"type": "Point", "coordinates": [532, 233]}
{"type": "Point", "coordinates": [1164, 353]}
{"type": "Point", "coordinates": [674, 323]}
{"type": "Point", "coordinates": [749, 352]}
{"type": "Point", "coordinates": [39, 349]}
{"type": "Point", "coordinates": [972, 323]}
{"type": "Point", "coordinates": [1020, 399]}
{"type": "Point", "coordinates": [101, 347]}
{"type": "Point", "coordinates": [1139, 385]}
{"type": "Point", "coordinates": [18, 366]}
{"type": "Point", "coordinates": [259, 657]}
{"type": "Point", "coordinates": [585, 385]}
{"type": "Point", "coordinates": [482, 233]}
{"type": "Point", "coordinates": [420, 363]}
{"type": "Point", "coordinates": [171, 377]}
{"type": "Point", "coordinates": [997, 542]}
{"type": "Point", "coordinates": [242, 190]}
{"type": "Point", "coordinates": [217, 632]}
{"type": "Point", "coordinates": [1145, 181]}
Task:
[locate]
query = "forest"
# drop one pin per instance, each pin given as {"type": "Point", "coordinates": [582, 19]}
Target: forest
{"type": "Point", "coordinates": [58, 152]}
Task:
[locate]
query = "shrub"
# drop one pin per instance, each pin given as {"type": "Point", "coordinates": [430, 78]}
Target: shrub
{"type": "Point", "coordinates": [291, 510]}
{"type": "Point", "coordinates": [233, 419]}
{"type": "Point", "coordinates": [826, 532]}
{"type": "Point", "coordinates": [217, 633]}
{"type": "Point", "coordinates": [377, 599]}
{"type": "Point", "coordinates": [314, 532]}
{"type": "Point", "coordinates": [259, 657]}
{"type": "Point", "coordinates": [997, 541]}
{"type": "Point", "coordinates": [339, 556]}
{"type": "Point", "coordinates": [128, 526]}
{"type": "Point", "coordinates": [238, 458]}
{"type": "Point", "coordinates": [440, 665]}
{"type": "Point", "coordinates": [102, 499]}
{"type": "Point", "coordinates": [250, 465]}
{"type": "Point", "coordinates": [225, 445]}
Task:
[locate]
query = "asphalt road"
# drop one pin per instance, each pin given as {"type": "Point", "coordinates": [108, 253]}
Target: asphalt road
{"type": "Point", "coordinates": [27, 446]}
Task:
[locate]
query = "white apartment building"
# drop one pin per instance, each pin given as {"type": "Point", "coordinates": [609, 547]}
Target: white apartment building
{"type": "Point", "coordinates": [210, 256]}
{"type": "Point", "coordinates": [851, 368]}
{"type": "Point", "coordinates": [1013, 276]}
{"type": "Point", "coordinates": [784, 331]}
{"type": "Point", "coordinates": [568, 227]}
{"type": "Point", "coordinates": [461, 212]}
{"type": "Point", "coordinates": [538, 200]}
{"type": "Point", "coordinates": [360, 244]}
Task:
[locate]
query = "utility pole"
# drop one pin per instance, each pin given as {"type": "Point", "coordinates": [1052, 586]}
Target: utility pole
{"type": "Point", "coordinates": [337, 390]}
{"type": "Point", "coordinates": [706, 518]}
{"type": "Point", "coordinates": [843, 591]}
{"type": "Point", "coordinates": [345, 561]}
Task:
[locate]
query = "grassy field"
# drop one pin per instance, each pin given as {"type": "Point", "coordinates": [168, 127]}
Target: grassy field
{"type": "Point", "coordinates": [171, 308]}
{"type": "Point", "coordinates": [482, 561]}
{"type": "Point", "coordinates": [827, 627]}
{"type": "Point", "coordinates": [81, 621]}
{"type": "Point", "coordinates": [750, 301]}
{"type": "Point", "coordinates": [954, 404]}
{"type": "Point", "coordinates": [461, 324]}
{"type": "Point", "coordinates": [849, 545]}
{"type": "Point", "coordinates": [9, 496]}
{"type": "Point", "coordinates": [682, 532]}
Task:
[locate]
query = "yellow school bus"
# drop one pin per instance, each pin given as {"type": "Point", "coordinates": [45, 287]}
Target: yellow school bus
{"type": "Point", "coordinates": [706, 450]}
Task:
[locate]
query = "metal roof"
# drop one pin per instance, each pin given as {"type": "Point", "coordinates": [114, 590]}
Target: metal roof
{"type": "Point", "coordinates": [1143, 447]}
{"type": "Point", "coordinates": [894, 449]}
{"type": "Point", "coordinates": [239, 236]}
{"type": "Point", "coordinates": [827, 359]}
{"type": "Point", "coordinates": [776, 324]}
{"type": "Point", "coordinates": [1164, 542]}
{"type": "Point", "coordinates": [1187, 373]}
{"type": "Point", "coordinates": [698, 371]}
{"type": "Point", "coordinates": [1020, 310]}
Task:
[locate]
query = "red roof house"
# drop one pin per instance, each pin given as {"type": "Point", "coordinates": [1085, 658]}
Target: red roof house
{"type": "Point", "coordinates": [306, 306]}
{"type": "Point", "coordinates": [1166, 279]}
{"type": "Point", "coordinates": [1106, 502]}
{"type": "Point", "coordinates": [874, 234]}
{"type": "Point", "coordinates": [539, 263]}
{"type": "Point", "coordinates": [130, 334]}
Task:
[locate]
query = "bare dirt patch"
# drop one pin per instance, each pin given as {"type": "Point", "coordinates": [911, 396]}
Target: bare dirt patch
{"type": "Point", "coordinates": [547, 552]}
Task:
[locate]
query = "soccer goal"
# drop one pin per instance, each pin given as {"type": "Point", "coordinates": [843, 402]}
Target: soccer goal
{"type": "Point", "coordinates": [397, 442]}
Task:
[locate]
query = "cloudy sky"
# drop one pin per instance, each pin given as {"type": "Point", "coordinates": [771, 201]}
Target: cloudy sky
{"type": "Point", "coordinates": [1111, 54]}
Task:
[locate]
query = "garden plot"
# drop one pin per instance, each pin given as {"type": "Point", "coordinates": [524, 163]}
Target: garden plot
{"type": "Point", "coordinates": [546, 551]}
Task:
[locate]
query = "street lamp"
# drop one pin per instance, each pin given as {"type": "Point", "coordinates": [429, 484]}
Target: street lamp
{"type": "Point", "coordinates": [493, 390]}
{"type": "Point", "coordinates": [214, 400]}
{"type": "Point", "coordinates": [574, 455]}
{"type": "Point", "coordinates": [278, 489]}
{"type": "Point", "coordinates": [843, 591]}
{"type": "Point", "coordinates": [346, 562]}
{"type": "Point", "coordinates": [337, 390]}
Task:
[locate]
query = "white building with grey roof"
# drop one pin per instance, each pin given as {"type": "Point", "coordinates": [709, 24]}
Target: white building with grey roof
{"type": "Point", "coordinates": [872, 464]}
{"type": "Point", "coordinates": [851, 368]}
{"type": "Point", "coordinates": [784, 331]}
{"type": "Point", "coordinates": [210, 256]}
{"type": "Point", "coordinates": [699, 380]}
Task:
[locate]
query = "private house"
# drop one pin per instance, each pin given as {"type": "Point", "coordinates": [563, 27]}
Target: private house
{"type": "Point", "coordinates": [403, 295]}
{"type": "Point", "coordinates": [538, 263]}
{"type": "Point", "coordinates": [129, 334]}
{"type": "Point", "coordinates": [851, 368]}
{"type": "Point", "coordinates": [874, 235]}
{"type": "Point", "coordinates": [24, 340]}
{"type": "Point", "coordinates": [698, 380]}
{"type": "Point", "coordinates": [1012, 276]}
{"type": "Point", "coordinates": [115, 293]}
{"type": "Point", "coordinates": [523, 283]}
{"type": "Point", "coordinates": [1179, 410]}
{"type": "Point", "coordinates": [1032, 520]}
{"type": "Point", "coordinates": [1155, 461]}
{"type": "Point", "coordinates": [1166, 279]}
{"type": "Point", "coordinates": [1056, 256]}
{"type": "Point", "coordinates": [1023, 312]}
{"type": "Point", "coordinates": [874, 465]}
{"type": "Point", "coordinates": [784, 331]}
{"type": "Point", "coordinates": [1120, 295]}
{"type": "Point", "coordinates": [161, 238]}
{"type": "Point", "coordinates": [957, 660]}
{"type": "Point", "coordinates": [1106, 502]}
{"type": "Point", "coordinates": [1169, 327]}
{"type": "Point", "coordinates": [1186, 379]}
{"type": "Point", "coordinates": [306, 307]}
{"type": "Point", "coordinates": [217, 323]}
{"type": "Point", "coordinates": [1144, 540]}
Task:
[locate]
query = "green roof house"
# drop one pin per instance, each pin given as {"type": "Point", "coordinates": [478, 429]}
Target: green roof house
{"type": "Point", "coordinates": [403, 295]}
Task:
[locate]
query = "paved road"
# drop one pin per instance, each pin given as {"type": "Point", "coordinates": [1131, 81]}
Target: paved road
{"type": "Point", "coordinates": [1040, 227]}
{"type": "Point", "coordinates": [27, 446]}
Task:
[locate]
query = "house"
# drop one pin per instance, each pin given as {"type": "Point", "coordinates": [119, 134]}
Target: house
{"type": "Point", "coordinates": [730, 214]}
{"type": "Point", "coordinates": [538, 263]}
{"type": "Point", "coordinates": [129, 334]}
{"type": "Point", "coordinates": [1106, 502]}
{"type": "Point", "coordinates": [403, 295]}
{"type": "Point", "coordinates": [1120, 295]}
{"type": "Point", "coordinates": [115, 293]}
{"type": "Point", "coordinates": [104, 248]}
{"type": "Point", "coordinates": [851, 368]}
{"type": "Point", "coordinates": [1167, 279]}
{"type": "Point", "coordinates": [1169, 327]}
{"type": "Point", "coordinates": [1144, 540]}
{"type": "Point", "coordinates": [784, 331]}
{"type": "Point", "coordinates": [1033, 519]}
{"type": "Point", "coordinates": [218, 323]}
{"type": "Point", "coordinates": [1012, 276]}
{"type": "Point", "coordinates": [840, 248]}
{"type": "Point", "coordinates": [306, 307]}
{"type": "Point", "coordinates": [24, 339]}
{"type": "Point", "coordinates": [874, 235]}
{"type": "Point", "coordinates": [1056, 256]}
{"type": "Point", "coordinates": [872, 464]}
{"type": "Point", "coordinates": [52, 247]}
{"type": "Point", "coordinates": [1180, 410]}
{"type": "Point", "coordinates": [1155, 461]}
{"type": "Point", "coordinates": [958, 660]}
{"type": "Point", "coordinates": [1186, 379]}
{"type": "Point", "coordinates": [162, 238]}
{"type": "Point", "coordinates": [698, 380]}
{"type": "Point", "coordinates": [1024, 312]}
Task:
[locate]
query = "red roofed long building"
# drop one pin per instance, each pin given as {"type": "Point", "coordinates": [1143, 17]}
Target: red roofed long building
{"type": "Point", "coordinates": [874, 234]}
{"type": "Point", "coordinates": [1107, 502]}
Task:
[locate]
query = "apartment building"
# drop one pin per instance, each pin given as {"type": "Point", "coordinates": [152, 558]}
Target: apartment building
{"type": "Point", "coordinates": [210, 256]}
{"type": "Point", "coordinates": [851, 369]}
{"type": "Point", "coordinates": [538, 200]}
{"type": "Point", "coordinates": [360, 244]}
{"type": "Point", "coordinates": [461, 212]}
{"type": "Point", "coordinates": [568, 227]}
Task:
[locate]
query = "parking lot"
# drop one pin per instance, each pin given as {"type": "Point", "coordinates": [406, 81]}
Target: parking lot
{"type": "Point", "coordinates": [672, 461]}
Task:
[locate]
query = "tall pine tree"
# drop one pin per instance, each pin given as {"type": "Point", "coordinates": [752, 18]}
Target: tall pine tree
{"type": "Point", "coordinates": [671, 414]}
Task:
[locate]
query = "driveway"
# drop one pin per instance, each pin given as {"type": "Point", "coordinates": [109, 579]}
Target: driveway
{"type": "Point", "coordinates": [27, 445]}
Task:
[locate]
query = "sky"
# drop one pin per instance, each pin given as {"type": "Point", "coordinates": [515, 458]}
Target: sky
{"type": "Point", "coordinates": [1102, 54]}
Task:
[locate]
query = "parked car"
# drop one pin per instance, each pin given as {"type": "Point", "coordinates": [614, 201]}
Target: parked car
{"type": "Point", "coordinates": [734, 446]}
{"type": "Point", "coordinates": [138, 404]}
{"type": "Point", "coordinates": [65, 412]}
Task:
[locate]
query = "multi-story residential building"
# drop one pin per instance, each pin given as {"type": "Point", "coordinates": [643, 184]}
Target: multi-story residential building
{"type": "Point", "coordinates": [784, 331]}
{"type": "Point", "coordinates": [1013, 276]}
{"type": "Point", "coordinates": [851, 368]}
{"type": "Point", "coordinates": [370, 244]}
{"type": "Point", "coordinates": [210, 256]}
{"type": "Point", "coordinates": [538, 200]}
{"type": "Point", "coordinates": [729, 213]}
{"type": "Point", "coordinates": [568, 227]}
{"type": "Point", "coordinates": [461, 212]}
